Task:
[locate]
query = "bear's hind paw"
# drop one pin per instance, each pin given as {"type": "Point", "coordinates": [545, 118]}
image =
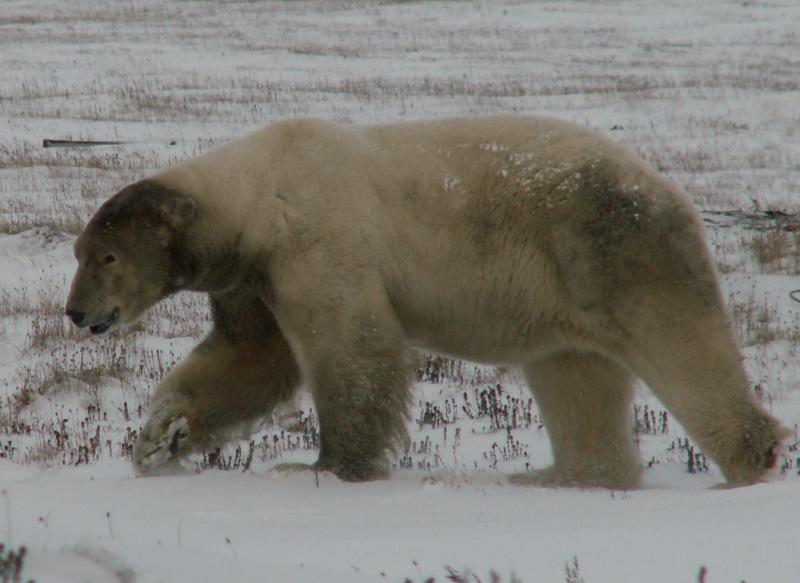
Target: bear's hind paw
{"type": "Point", "coordinates": [293, 467]}
{"type": "Point", "coordinates": [553, 478]}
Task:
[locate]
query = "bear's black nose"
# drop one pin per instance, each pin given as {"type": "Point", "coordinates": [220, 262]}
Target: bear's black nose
{"type": "Point", "coordinates": [76, 316]}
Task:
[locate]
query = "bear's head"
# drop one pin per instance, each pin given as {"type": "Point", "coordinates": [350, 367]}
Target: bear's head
{"type": "Point", "coordinates": [130, 255]}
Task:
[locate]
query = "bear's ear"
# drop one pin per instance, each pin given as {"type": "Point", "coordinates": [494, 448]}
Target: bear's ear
{"type": "Point", "coordinates": [177, 211]}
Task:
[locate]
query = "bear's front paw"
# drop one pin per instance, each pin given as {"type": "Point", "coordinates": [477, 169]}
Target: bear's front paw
{"type": "Point", "coordinates": [163, 439]}
{"type": "Point", "coordinates": [354, 468]}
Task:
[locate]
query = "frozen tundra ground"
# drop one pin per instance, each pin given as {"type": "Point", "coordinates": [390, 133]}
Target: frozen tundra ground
{"type": "Point", "coordinates": [709, 92]}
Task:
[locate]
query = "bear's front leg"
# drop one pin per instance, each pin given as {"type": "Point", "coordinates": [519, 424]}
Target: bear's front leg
{"type": "Point", "coordinates": [358, 369]}
{"type": "Point", "coordinates": [165, 436]}
{"type": "Point", "coordinates": [238, 374]}
{"type": "Point", "coordinates": [361, 400]}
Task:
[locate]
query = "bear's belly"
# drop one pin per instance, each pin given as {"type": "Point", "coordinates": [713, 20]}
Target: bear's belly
{"type": "Point", "coordinates": [506, 337]}
{"type": "Point", "coordinates": [499, 314]}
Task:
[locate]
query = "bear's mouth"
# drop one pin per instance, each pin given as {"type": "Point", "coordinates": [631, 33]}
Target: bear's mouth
{"type": "Point", "coordinates": [104, 326]}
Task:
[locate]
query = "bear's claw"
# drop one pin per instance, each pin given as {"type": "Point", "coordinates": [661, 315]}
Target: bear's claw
{"type": "Point", "coordinates": [151, 452]}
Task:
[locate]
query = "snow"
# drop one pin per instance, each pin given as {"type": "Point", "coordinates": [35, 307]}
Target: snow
{"type": "Point", "coordinates": [228, 526]}
{"type": "Point", "coordinates": [709, 93]}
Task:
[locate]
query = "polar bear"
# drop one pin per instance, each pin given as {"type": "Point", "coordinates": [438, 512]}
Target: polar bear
{"type": "Point", "coordinates": [328, 250]}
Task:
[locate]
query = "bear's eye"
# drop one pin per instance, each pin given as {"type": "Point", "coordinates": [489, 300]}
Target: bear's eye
{"type": "Point", "coordinates": [109, 259]}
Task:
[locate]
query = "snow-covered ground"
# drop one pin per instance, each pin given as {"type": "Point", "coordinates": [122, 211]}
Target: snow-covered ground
{"type": "Point", "coordinates": [708, 92]}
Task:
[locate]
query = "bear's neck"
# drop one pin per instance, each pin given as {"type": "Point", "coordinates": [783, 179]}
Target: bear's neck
{"type": "Point", "coordinates": [205, 262]}
{"type": "Point", "coordinates": [216, 253]}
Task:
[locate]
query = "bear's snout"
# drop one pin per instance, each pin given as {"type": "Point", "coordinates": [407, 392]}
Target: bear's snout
{"type": "Point", "coordinates": [77, 317]}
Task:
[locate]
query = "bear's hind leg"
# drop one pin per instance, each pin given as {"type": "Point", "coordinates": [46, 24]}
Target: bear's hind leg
{"type": "Point", "coordinates": [584, 399]}
{"type": "Point", "coordinates": [694, 367]}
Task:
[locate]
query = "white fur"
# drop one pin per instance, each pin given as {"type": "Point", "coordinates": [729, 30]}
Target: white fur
{"type": "Point", "coordinates": [512, 240]}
